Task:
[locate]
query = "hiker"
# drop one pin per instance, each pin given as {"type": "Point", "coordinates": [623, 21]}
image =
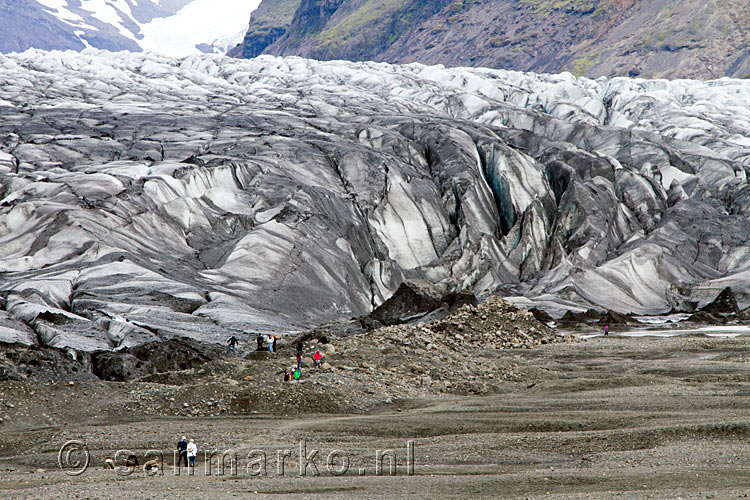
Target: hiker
{"type": "Point", "coordinates": [274, 343]}
{"type": "Point", "coordinates": [287, 376]}
{"type": "Point", "coordinates": [260, 342]}
{"type": "Point", "coordinates": [317, 357]}
{"type": "Point", "coordinates": [182, 445]}
{"type": "Point", "coordinates": [269, 339]}
{"type": "Point", "coordinates": [109, 463]}
{"type": "Point", "coordinates": [606, 329]}
{"type": "Point", "coordinates": [299, 359]}
{"type": "Point", "coordinates": [192, 452]}
{"type": "Point", "coordinates": [300, 347]}
{"type": "Point", "coordinates": [232, 343]}
{"type": "Point", "coordinates": [296, 374]}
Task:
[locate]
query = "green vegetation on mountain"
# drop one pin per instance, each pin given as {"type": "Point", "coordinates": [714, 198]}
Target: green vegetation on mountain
{"type": "Point", "coordinates": [267, 24]}
{"type": "Point", "coordinates": [356, 30]}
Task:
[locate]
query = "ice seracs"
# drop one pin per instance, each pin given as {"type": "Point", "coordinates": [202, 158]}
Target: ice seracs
{"type": "Point", "coordinates": [143, 197]}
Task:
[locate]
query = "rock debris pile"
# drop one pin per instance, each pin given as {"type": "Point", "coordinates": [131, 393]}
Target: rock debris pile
{"type": "Point", "coordinates": [470, 351]}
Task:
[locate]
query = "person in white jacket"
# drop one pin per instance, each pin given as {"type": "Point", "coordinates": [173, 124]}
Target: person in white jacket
{"type": "Point", "coordinates": [192, 452]}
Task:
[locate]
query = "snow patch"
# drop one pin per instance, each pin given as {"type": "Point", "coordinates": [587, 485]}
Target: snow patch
{"type": "Point", "coordinates": [201, 21]}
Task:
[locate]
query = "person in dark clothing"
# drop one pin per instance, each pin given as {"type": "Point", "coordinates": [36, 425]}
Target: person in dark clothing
{"type": "Point", "coordinates": [260, 342]}
{"type": "Point", "coordinates": [233, 343]}
{"type": "Point", "coordinates": [182, 450]}
{"type": "Point", "coordinates": [274, 343]}
{"type": "Point", "coordinates": [300, 347]}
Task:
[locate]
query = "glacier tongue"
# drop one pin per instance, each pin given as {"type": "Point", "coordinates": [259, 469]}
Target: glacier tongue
{"type": "Point", "coordinates": [143, 197]}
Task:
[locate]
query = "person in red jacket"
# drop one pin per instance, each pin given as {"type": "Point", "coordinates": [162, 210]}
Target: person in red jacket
{"type": "Point", "coordinates": [317, 357]}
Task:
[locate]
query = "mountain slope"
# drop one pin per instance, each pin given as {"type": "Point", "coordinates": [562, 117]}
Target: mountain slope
{"type": "Point", "coordinates": [268, 23]}
{"type": "Point", "coordinates": [173, 27]}
{"type": "Point", "coordinates": [144, 197]}
{"type": "Point", "coordinates": [27, 23]}
{"type": "Point", "coordinates": [666, 38]}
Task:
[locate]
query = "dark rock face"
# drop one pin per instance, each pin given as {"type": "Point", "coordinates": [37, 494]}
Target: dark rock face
{"type": "Point", "coordinates": [615, 318]}
{"type": "Point", "coordinates": [119, 367]}
{"type": "Point", "coordinates": [672, 38]}
{"type": "Point", "coordinates": [413, 299]}
{"type": "Point", "coordinates": [459, 298]}
{"type": "Point", "coordinates": [269, 22]}
{"type": "Point", "coordinates": [154, 357]}
{"type": "Point", "coordinates": [724, 303]}
{"type": "Point", "coordinates": [541, 315]}
{"type": "Point", "coordinates": [177, 354]}
{"type": "Point", "coordinates": [43, 364]}
{"type": "Point", "coordinates": [47, 364]}
{"type": "Point", "coordinates": [573, 318]}
{"type": "Point", "coordinates": [145, 198]}
{"type": "Point", "coordinates": [342, 29]}
{"type": "Point", "coordinates": [705, 318]}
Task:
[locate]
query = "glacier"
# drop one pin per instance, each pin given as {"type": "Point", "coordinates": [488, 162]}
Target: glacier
{"type": "Point", "coordinates": [144, 197]}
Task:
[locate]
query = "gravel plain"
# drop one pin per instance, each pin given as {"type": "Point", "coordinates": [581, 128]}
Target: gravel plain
{"type": "Point", "coordinates": [614, 417]}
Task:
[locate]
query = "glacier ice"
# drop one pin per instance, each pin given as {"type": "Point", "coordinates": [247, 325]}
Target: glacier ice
{"type": "Point", "coordinates": [143, 197]}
